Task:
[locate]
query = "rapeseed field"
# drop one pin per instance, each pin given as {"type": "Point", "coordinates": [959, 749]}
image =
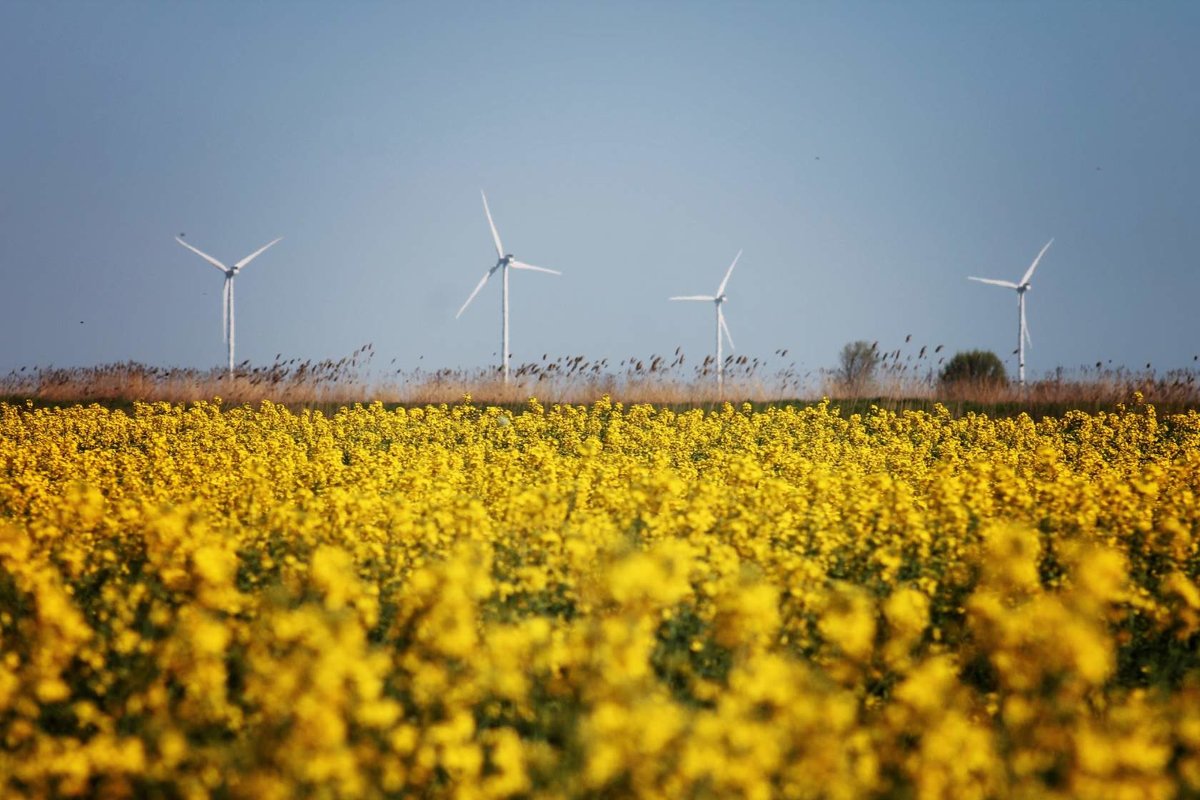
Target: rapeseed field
{"type": "Point", "coordinates": [597, 601]}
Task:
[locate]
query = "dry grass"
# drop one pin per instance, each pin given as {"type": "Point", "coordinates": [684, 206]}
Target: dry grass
{"type": "Point", "coordinates": [903, 381]}
{"type": "Point", "coordinates": [573, 379]}
{"type": "Point", "coordinates": [907, 378]}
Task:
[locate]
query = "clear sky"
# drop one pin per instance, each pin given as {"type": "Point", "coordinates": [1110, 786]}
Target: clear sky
{"type": "Point", "coordinates": [866, 156]}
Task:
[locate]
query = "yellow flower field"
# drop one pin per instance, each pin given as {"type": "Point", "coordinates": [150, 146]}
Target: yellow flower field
{"type": "Point", "coordinates": [597, 601]}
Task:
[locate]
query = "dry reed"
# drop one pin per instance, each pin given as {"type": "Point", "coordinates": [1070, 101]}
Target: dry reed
{"type": "Point", "coordinates": [902, 380]}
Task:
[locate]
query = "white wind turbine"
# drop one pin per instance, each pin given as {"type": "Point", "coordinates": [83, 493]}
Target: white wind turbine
{"type": "Point", "coordinates": [1022, 287]}
{"type": "Point", "coordinates": [227, 328]}
{"type": "Point", "coordinates": [505, 261]}
{"type": "Point", "coordinates": [718, 299]}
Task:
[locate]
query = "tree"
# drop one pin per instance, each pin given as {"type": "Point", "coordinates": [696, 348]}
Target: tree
{"type": "Point", "coordinates": [857, 365]}
{"type": "Point", "coordinates": [974, 366]}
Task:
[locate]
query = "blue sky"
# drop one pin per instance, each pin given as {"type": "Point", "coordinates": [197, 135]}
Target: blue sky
{"type": "Point", "coordinates": [866, 156]}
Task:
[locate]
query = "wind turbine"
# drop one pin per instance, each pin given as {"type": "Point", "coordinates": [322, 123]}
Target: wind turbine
{"type": "Point", "coordinates": [722, 328]}
{"type": "Point", "coordinates": [1022, 287]}
{"type": "Point", "coordinates": [227, 328]}
{"type": "Point", "coordinates": [505, 262]}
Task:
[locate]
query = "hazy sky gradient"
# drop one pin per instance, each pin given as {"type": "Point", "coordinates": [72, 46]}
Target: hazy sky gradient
{"type": "Point", "coordinates": [867, 157]}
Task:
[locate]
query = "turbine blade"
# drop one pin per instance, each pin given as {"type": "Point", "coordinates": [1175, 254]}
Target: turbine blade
{"type": "Point", "coordinates": [522, 265]}
{"type": "Point", "coordinates": [1005, 284]}
{"type": "Point", "coordinates": [728, 272]}
{"type": "Point", "coordinates": [225, 309]}
{"type": "Point", "coordinates": [1025, 327]}
{"type": "Point", "coordinates": [478, 286]}
{"type": "Point", "coordinates": [1033, 266]}
{"type": "Point", "coordinates": [203, 255]}
{"type": "Point", "coordinates": [255, 254]}
{"type": "Point", "coordinates": [725, 328]}
{"type": "Point", "coordinates": [495, 234]}
{"type": "Point", "coordinates": [709, 298]}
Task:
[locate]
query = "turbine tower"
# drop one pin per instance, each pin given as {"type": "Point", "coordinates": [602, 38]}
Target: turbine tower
{"type": "Point", "coordinates": [505, 262]}
{"type": "Point", "coordinates": [227, 328]}
{"type": "Point", "coordinates": [717, 300]}
{"type": "Point", "coordinates": [1022, 287]}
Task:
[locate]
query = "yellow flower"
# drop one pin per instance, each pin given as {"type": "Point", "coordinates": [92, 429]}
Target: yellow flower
{"type": "Point", "coordinates": [563, 600]}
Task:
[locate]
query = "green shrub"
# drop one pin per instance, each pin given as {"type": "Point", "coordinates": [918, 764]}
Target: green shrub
{"type": "Point", "coordinates": [974, 366]}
